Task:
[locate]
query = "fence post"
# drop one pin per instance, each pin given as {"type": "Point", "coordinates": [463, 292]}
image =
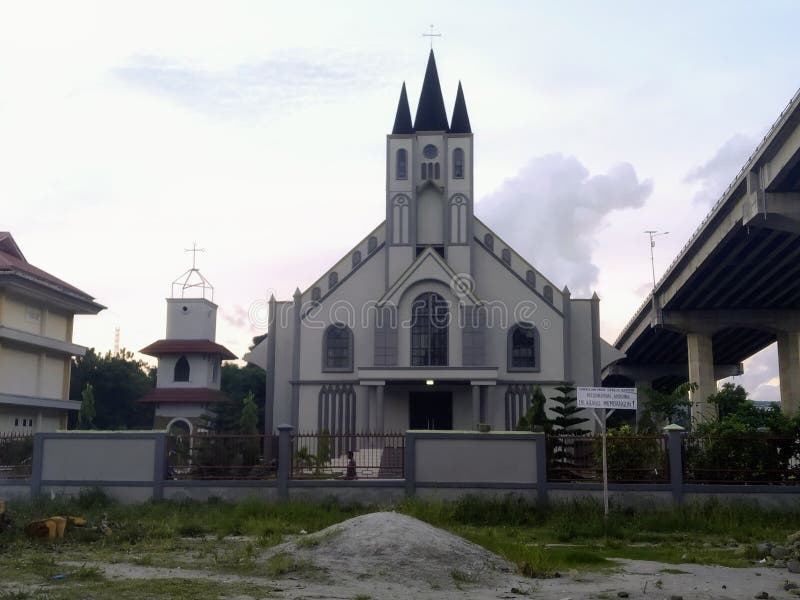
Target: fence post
{"type": "Point", "coordinates": [541, 469]}
{"type": "Point", "coordinates": [160, 465]}
{"type": "Point", "coordinates": [36, 467]}
{"type": "Point", "coordinates": [410, 464]}
{"type": "Point", "coordinates": [675, 447]}
{"type": "Point", "coordinates": [284, 459]}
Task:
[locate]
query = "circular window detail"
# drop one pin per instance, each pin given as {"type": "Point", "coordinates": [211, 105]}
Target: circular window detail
{"type": "Point", "coordinates": [185, 309]}
{"type": "Point", "coordinates": [430, 151]}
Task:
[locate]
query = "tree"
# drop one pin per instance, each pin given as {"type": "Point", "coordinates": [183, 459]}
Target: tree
{"type": "Point", "coordinates": [729, 400]}
{"type": "Point", "coordinates": [117, 381]}
{"type": "Point", "coordinates": [87, 411]}
{"type": "Point", "coordinates": [248, 421]}
{"type": "Point", "coordinates": [238, 383]}
{"type": "Point", "coordinates": [659, 408]}
{"type": "Point", "coordinates": [535, 419]}
{"type": "Point", "coordinates": [566, 410]}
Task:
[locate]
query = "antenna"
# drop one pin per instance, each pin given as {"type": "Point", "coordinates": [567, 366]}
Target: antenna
{"type": "Point", "coordinates": [193, 280]}
{"type": "Point", "coordinates": [654, 234]}
{"type": "Point", "coordinates": [116, 340]}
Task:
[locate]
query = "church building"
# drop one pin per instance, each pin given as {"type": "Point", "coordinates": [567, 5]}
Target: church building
{"type": "Point", "coordinates": [431, 321]}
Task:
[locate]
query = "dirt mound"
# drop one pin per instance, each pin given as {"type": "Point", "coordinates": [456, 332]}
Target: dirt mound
{"type": "Point", "coordinates": [398, 548]}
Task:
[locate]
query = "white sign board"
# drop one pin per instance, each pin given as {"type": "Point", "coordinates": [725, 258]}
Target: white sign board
{"type": "Point", "coordinates": [600, 397]}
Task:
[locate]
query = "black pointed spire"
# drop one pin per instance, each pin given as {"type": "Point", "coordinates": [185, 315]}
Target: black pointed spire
{"type": "Point", "coordinates": [431, 115]}
{"type": "Point", "coordinates": [460, 123]}
{"type": "Point", "coordinates": [402, 120]}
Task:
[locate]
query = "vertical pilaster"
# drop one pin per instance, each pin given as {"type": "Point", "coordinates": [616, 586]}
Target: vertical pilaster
{"type": "Point", "coordinates": [701, 373]}
{"type": "Point", "coordinates": [379, 409]}
{"type": "Point", "coordinates": [789, 371]}
{"type": "Point", "coordinates": [296, 359]}
{"type": "Point", "coordinates": [476, 406]}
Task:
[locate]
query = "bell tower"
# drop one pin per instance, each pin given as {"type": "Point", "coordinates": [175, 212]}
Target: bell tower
{"type": "Point", "coordinates": [429, 188]}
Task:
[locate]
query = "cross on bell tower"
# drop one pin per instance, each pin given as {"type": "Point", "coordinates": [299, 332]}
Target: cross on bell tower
{"type": "Point", "coordinates": [431, 35]}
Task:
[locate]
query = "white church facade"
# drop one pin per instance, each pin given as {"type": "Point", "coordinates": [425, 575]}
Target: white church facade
{"type": "Point", "coordinates": [431, 321]}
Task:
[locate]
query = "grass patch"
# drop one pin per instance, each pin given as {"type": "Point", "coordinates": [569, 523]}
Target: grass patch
{"type": "Point", "coordinates": [540, 541]}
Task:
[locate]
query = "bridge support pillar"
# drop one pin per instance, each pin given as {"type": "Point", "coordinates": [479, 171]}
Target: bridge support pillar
{"type": "Point", "coordinates": [789, 371]}
{"type": "Point", "coordinates": [701, 372]}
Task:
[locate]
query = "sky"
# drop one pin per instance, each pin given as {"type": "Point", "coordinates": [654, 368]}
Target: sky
{"type": "Point", "coordinates": [129, 131]}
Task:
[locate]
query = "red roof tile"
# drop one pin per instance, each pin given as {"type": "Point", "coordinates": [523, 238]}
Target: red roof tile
{"type": "Point", "coordinates": [187, 347]}
{"type": "Point", "coordinates": [183, 396]}
{"type": "Point", "coordinates": [13, 262]}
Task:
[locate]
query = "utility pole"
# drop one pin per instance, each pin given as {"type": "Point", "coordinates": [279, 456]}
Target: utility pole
{"type": "Point", "coordinates": [654, 234]}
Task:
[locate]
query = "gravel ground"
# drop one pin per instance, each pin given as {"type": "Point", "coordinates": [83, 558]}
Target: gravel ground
{"type": "Point", "coordinates": [392, 556]}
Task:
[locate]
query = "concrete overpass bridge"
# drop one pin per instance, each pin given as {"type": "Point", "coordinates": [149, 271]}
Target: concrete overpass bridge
{"type": "Point", "coordinates": [734, 288]}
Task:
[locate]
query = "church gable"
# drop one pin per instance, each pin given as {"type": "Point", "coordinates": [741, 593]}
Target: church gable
{"type": "Point", "coordinates": [429, 266]}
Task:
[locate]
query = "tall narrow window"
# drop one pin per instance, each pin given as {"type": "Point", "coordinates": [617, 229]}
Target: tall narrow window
{"type": "Point", "coordinates": [429, 320]}
{"type": "Point", "coordinates": [458, 163]}
{"type": "Point", "coordinates": [424, 170]}
{"type": "Point", "coordinates": [338, 348]}
{"type": "Point", "coordinates": [182, 369]}
{"type": "Point", "coordinates": [402, 164]}
{"type": "Point", "coordinates": [436, 171]}
{"type": "Point", "coordinates": [548, 294]}
{"type": "Point", "coordinates": [523, 342]}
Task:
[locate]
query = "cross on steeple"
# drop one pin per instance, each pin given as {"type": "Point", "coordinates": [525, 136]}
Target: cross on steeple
{"type": "Point", "coordinates": [431, 35]}
{"type": "Point", "coordinates": [194, 250]}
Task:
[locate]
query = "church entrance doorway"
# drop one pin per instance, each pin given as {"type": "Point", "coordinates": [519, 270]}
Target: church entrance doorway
{"type": "Point", "coordinates": [430, 410]}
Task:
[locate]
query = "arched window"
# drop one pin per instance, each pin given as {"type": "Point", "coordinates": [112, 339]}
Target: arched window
{"type": "Point", "coordinates": [402, 164]}
{"type": "Point", "coordinates": [548, 294]}
{"type": "Point", "coordinates": [436, 171]}
{"type": "Point", "coordinates": [356, 258]}
{"type": "Point", "coordinates": [424, 170]}
{"type": "Point", "coordinates": [488, 241]}
{"type": "Point", "coordinates": [333, 279]}
{"type": "Point", "coordinates": [458, 163]}
{"type": "Point", "coordinates": [429, 320]}
{"type": "Point", "coordinates": [506, 255]}
{"type": "Point", "coordinates": [523, 348]}
{"type": "Point", "coordinates": [530, 277]}
{"type": "Point", "coordinates": [182, 369]}
{"type": "Point", "coordinates": [337, 348]}
{"type": "Point", "coordinates": [372, 244]}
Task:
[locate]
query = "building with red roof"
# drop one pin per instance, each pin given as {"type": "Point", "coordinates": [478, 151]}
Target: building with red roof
{"type": "Point", "coordinates": [36, 348]}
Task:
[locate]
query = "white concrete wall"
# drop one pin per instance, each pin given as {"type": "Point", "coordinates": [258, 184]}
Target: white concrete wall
{"type": "Point", "coordinates": [191, 319]}
{"type": "Point", "coordinates": [494, 458]}
{"type": "Point", "coordinates": [200, 371]}
{"type": "Point", "coordinates": [22, 315]}
{"type": "Point", "coordinates": [98, 458]}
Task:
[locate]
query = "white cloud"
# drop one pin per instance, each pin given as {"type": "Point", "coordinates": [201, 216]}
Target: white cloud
{"type": "Point", "coordinates": [714, 176]}
{"type": "Point", "coordinates": [552, 210]}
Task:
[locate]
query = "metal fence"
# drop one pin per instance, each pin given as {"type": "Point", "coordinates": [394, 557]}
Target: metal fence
{"type": "Point", "coordinates": [16, 456]}
{"type": "Point", "coordinates": [751, 459]}
{"type": "Point", "coordinates": [209, 456]}
{"type": "Point", "coordinates": [325, 456]}
{"type": "Point", "coordinates": [631, 458]}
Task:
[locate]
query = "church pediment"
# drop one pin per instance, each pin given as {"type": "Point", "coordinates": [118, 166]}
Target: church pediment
{"type": "Point", "coordinates": [429, 266]}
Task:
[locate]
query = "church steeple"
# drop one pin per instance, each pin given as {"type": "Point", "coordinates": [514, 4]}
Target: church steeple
{"type": "Point", "coordinates": [431, 114]}
{"type": "Point", "coordinates": [402, 120]}
{"type": "Point", "coordinates": [460, 123]}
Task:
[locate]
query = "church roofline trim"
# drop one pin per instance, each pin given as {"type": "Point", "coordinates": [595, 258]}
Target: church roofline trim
{"type": "Point", "coordinates": [344, 278]}
{"type": "Point", "coordinates": [358, 246]}
{"type": "Point", "coordinates": [524, 260]}
{"type": "Point", "coordinates": [558, 311]}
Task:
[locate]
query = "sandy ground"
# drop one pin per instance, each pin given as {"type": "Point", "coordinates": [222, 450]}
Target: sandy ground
{"type": "Point", "coordinates": [392, 556]}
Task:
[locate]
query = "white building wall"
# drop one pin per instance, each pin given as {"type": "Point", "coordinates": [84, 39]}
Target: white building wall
{"type": "Point", "coordinates": [52, 384]}
{"type": "Point", "coordinates": [18, 371]}
{"type": "Point", "coordinates": [191, 319]}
